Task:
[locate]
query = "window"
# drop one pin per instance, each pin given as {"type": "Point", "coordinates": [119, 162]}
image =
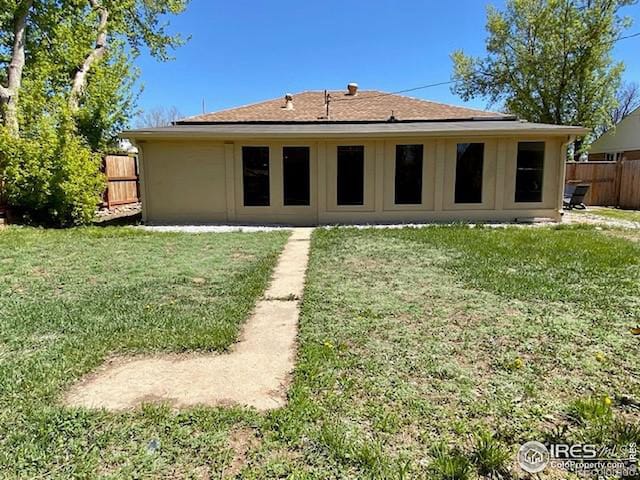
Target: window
{"type": "Point", "coordinates": [408, 174]}
{"type": "Point", "coordinates": [295, 172]}
{"type": "Point", "coordinates": [469, 165]}
{"type": "Point", "coordinates": [529, 172]}
{"type": "Point", "coordinates": [255, 176]}
{"type": "Point", "coordinates": [351, 175]}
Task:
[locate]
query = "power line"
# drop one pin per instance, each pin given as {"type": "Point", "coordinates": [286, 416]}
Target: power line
{"type": "Point", "coordinates": [633, 35]}
{"type": "Point", "coordinates": [439, 84]}
{"type": "Point", "coordinates": [406, 90]}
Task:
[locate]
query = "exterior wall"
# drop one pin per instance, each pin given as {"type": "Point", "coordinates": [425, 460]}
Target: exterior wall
{"type": "Point", "coordinates": [201, 182]}
{"type": "Point", "coordinates": [623, 137]}
{"type": "Point", "coordinates": [183, 182]}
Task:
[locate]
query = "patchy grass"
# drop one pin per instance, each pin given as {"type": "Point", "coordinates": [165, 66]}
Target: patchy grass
{"type": "Point", "coordinates": [617, 214]}
{"type": "Point", "coordinates": [68, 299]}
{"type": "Point", "coordinates": [428, 353]}
{"type": "Point", "coordinates": [416, 337]}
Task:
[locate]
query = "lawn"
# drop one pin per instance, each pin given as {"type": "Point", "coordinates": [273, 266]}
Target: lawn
{"type": "Point", "coordinates": [428, 352]}
{"type": "Point", "coordinates": [69, 299]}
{"type": "Point", "coordinates": [617, 214]}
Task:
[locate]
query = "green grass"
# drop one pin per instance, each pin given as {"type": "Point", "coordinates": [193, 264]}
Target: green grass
{"type": "Point", "coordinates": [617, 214]}
{"type": "Point", "coordinates": [430, 353]}
{"type": "Point", "coordinates": [69, 299]}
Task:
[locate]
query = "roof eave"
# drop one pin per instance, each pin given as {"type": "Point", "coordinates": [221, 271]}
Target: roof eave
{"type": "Point", "coordinates": [141, 135]}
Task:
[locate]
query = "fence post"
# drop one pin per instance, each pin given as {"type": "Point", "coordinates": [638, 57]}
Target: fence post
{"type": "Point", "coordinates": [618, 178]}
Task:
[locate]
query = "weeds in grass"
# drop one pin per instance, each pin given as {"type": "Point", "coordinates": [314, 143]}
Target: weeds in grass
{"type": "Point", "coordinates": [592, 410]}
{"type": "Point", "coordinates": [490, 456]}
{"type": "Point", "coordinates": [407, 337]}
{"type": "Point", "coordinates": [449, 464]}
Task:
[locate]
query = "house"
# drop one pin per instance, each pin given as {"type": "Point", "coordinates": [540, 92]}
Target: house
{"type": "Point", "coordinates": [622, 141]}
{"type": "Point", "coordinates": [351, 157]}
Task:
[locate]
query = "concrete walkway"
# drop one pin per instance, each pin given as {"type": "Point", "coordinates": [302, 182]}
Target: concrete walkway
{"type": "Point", "coordinates": [255, 373]}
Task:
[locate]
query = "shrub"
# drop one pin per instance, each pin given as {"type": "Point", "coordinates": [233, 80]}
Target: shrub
{"type": "Point", "coordinates": [51, 177]}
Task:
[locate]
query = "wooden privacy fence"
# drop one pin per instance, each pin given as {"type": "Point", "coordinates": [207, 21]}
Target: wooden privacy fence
{"type": "Point", "coordinates": [123, 184]}
{"type": "Point", "coordinates": [613, 184]}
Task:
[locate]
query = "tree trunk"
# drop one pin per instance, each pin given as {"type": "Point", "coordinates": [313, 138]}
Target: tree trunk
{"type": "Point", "coordinates": [80, 77]}
{"type": "Point", "coordinates": [9, 95]}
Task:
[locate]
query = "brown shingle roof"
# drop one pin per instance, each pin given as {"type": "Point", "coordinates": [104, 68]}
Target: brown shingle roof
{"type": "Point", "coordinates": [366, 106]}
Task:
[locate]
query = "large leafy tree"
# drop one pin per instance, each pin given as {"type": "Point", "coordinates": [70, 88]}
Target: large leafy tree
{"type": "Point", "coordinates": [66, 88]}
{"type": "Point", "coordinates": [548, 60]}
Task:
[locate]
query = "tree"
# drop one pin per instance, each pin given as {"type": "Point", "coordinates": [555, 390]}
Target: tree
{"type": "Point", "coordinates": [66, 88]}
{"type": "Point", "coordinates": [84, 31]}
{"type": "Point", "coordinates": [158, 117]}
{"type": "Point", "coordinates": [627, 100]}
{"type": "Point", "coordinates": [9, 94]}
{"type": "Point", "coordinates": [548, 61]}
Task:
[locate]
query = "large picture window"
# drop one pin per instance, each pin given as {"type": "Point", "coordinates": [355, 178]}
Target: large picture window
{"type": "Point", "coordinates": [351, 175]}
{"type": "Point", "coordinates": [255, 176]}
{"type": "Point", "coordinates": [295, 173]}
{"type": "Point", "coordinates": [469, 167]}
{"type": "Point", "coordinates": [529, 172]}
{"type": "Point", "coordinates": [408, 180]}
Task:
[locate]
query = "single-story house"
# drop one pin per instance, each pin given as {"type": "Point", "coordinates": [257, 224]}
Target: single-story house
{"type": "Point", "coordinates": [620, 142]}
{"type": "Point", "coordinates": [323, 157]}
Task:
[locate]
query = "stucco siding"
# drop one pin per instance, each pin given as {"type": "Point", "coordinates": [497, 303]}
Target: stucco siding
{"type": "Point", "coordinates": [623, 137]}
{"type": "Point", "coordinates": [184, 182]}
{"type": "Point", "coordinates": [190, 181]}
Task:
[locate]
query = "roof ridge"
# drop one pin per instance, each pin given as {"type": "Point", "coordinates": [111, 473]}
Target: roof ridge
{"type": "Point", "coordinates": [368, 105]}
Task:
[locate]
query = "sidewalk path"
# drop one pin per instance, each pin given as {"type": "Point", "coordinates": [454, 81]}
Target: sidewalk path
{"type": "Point", "coordinates": [255, 373]}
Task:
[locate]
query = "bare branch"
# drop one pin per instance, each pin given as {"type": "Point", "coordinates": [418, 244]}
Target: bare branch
{"type": "Point", "coordinates": [80, 78]}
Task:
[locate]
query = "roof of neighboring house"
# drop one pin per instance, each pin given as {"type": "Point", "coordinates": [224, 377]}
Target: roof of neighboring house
{"type": "Point", "coordinates": [625, 136]}
{"type": "Point", "coordinates": [336, 130]}
{"type": "Point", "coordinates": [365, 106]}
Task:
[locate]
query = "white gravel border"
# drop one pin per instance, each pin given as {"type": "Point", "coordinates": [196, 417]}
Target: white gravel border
{"type": "Point", "coordinates": [211, 228]}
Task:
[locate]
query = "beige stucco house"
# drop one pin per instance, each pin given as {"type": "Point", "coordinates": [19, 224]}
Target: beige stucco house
{"type": "Point", "coordinates": [351, 157]}
{"type": "Point", "coordinates": [619, 142]}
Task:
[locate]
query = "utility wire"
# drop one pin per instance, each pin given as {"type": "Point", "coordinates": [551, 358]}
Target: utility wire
{"type": "Point", "coordinates": [406, 90]}
{"type": "Point", "coordinates": [439, 84]}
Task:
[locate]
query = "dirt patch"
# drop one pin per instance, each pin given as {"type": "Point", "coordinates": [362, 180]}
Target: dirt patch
{"type": "Point", "coordinates": [242, 256]}
{"type": "Point", "coordinates": [241, 441]}
{"type": "Point", "coordinates": [255, 373]}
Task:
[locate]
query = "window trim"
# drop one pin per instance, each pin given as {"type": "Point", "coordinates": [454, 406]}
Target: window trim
{"type": "Point", "coordinates": [490, 173]}
{"type": "Point", "coordinates": [328, 174]}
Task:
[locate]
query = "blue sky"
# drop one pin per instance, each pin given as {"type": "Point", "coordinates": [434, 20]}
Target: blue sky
{"type": "Point", "coordinates": [244, 51]}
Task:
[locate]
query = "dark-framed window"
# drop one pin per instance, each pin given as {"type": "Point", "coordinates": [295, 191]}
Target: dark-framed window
{"type": "Point", "coordinates": [295, 175]}
{"type": "Point", "coordinates": [255, 176]}
{"type": "Point", "coordinates": [351, 175]}
{"type": "Point", "coordinates": [469, 167]}
{"type": "Point", "coordinates": [408, 181]}
{"type": "Point", "coordinates": [529, 172]}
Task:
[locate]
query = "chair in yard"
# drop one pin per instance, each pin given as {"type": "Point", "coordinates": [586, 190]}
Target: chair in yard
{"type": "Point", "coordinates": [574, 196]}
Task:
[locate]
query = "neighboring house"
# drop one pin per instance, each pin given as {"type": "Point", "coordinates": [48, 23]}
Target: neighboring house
{"type": "Point", "coordinates": [621, 141]}
{"type": "Point", "coordinates": [351, 157]}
